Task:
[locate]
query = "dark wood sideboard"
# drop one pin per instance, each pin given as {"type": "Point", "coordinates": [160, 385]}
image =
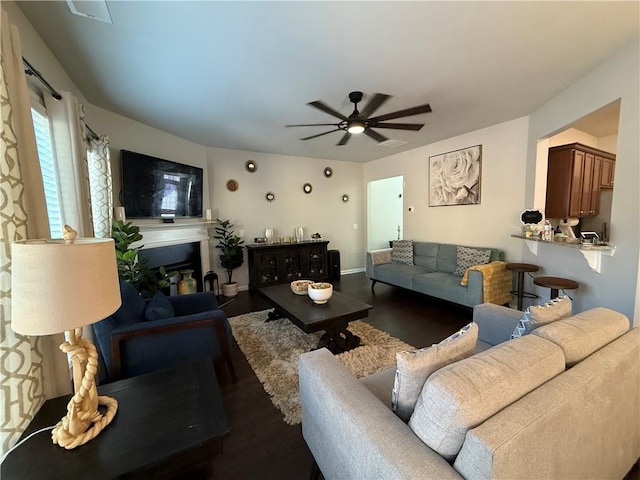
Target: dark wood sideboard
{"type": "Point", "coordinates": [285, 262]}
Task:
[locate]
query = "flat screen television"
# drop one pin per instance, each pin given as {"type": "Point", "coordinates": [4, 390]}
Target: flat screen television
{"type": "Point", "coordinates": [157, 188]}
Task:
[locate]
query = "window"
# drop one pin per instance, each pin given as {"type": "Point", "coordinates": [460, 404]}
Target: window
{"type": "Point", "coordinates": [47, 166]}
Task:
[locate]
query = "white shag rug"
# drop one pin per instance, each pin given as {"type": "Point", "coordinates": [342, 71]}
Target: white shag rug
{"type": "Point", "coordinates": [273, 348]}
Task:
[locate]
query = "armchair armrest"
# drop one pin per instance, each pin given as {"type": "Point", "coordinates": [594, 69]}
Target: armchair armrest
{"type": "Point", "coordinates": [352, 434]}
{"type": "Point", "coordinates": [495, 323]}
{"type": "Point", "coordinates": [146, 331]}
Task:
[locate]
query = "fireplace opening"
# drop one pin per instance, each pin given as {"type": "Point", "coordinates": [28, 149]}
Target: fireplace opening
{"type": "Point", "coordinates": [176, 257]}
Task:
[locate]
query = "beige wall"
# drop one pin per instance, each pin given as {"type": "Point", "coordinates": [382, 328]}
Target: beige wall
{"type": "Point", "coordinates": [320, 211]}
{"type": "Point", "coordinates": [489, 224]}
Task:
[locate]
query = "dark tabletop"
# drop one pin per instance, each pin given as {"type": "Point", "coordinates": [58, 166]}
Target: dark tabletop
{"type": "Point", "coordinates": [160, 415]}
{"type": "Point", "coordinates": [311, 317]}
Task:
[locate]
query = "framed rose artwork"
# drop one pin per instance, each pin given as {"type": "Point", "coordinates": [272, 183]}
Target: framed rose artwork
{"type": "Point", "coordinates": [454, 177]}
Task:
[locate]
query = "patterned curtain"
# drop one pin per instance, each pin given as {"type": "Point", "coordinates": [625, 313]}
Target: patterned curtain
{"type": "Point", "coordinates": [100, 185]}
{"type": "Point", "coordinates": [21, 358]}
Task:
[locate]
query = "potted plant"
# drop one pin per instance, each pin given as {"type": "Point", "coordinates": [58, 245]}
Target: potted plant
{"type": "Point", "coordinates": [132, 269]}
{"type": "Point", "coordinates": [231, 253]}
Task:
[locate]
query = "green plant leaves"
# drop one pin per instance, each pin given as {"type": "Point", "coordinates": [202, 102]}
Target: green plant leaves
{"type": "Point", "coordinates": [230, 246]}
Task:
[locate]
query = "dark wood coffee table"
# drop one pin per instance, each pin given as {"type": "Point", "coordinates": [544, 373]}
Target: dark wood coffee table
{"type": "Point", "coordinates": [332, 317]}
{"type": "Point", "coordinates": [168, 424]}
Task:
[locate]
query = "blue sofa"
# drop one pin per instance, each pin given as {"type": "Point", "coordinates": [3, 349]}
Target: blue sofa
{"type": "Point", "coordinates": [432, 273]}
{"type": "Point", "coordinates": [143, 336]}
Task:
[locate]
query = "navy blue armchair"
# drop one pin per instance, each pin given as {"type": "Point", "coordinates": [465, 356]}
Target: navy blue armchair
{"type": "Point", "coordinates": [143, 336]}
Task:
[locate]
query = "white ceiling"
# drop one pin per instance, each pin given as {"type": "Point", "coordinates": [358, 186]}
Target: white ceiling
{"type": "Point", "coordinates": [233, 74]}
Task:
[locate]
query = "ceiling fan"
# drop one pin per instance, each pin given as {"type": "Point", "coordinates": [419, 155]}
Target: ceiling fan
{"type": "Point", "coordinates": [362, 122]}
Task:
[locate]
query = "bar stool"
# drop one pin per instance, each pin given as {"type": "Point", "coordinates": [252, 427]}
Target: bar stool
{"type": "Point", "coordinates": [212, 277]}
{"type": "Point", "coordinates": [521, 268]}
{"type": "Point", "coordinates": [555, 284]}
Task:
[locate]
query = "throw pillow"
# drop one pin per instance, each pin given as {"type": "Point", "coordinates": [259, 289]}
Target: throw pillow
{"type": "Point", "coordinates": [469, 257]}
{"type": "Point", "coordinates": [461, 396]}
{"type": "Point", "coordinates": [402, 252]}
{"type": "Point", "coordinates": [538, 315]}
{"type": "Point", "coordinates": [132, 308]}
{"type": "Point", "coordinates": [159, 307]}
{"type": "Point", "coordinates": [413, 368]}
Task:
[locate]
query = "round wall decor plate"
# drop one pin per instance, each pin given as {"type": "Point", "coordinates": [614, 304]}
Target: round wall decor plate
{"type": "Point", "coordinates": [307, 188]}
{"type": "Point", "coordinates": [232, 185]}
{"type": "Point", "coordinates": [327, 172]}
{"type": "Point", "coordinates": [251, 166]}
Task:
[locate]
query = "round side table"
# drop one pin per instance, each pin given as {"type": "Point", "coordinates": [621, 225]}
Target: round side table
{"type": "Point", "coordinates": [520, 269]}
{"type": "Point", "coordinates": [555, 284]}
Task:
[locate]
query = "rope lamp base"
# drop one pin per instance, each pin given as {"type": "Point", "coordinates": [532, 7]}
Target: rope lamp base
{"type": "Point", "coordinates": [83, 420]}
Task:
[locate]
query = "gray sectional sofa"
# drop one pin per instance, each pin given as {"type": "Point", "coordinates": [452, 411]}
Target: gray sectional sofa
{"type": "Point", "coordinates": [560, 402]}
{"type": "Point", "coordinates": [432, 273]}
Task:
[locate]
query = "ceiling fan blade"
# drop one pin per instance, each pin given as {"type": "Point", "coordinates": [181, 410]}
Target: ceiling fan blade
{"type": "Point", "coordinates": [325, 108]}
{"type": "Point", "coordinates": [375, 135]}
{"type": "Point", "coordinates": [314, 125]}
{"type": "Point", "coordinates": [375, 103]}
{"type": "Point", "coordinates": [345, 138]}
{"type": "Point", "coordinates": [400, 126]}
{"type": "Point", "coordinates": [426, 108]}
{"type": "Point", "coordinates": [320, 134]}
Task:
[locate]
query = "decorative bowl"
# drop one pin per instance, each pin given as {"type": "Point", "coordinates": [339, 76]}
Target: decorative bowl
{"type": "Point", "coordinates": [299, 287]}
{"type": "Point", "coordinates": [320, 292]}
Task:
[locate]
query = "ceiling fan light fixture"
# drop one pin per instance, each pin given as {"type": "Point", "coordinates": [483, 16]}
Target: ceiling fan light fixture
{"type": "Point", "coordinates": [355, 127]}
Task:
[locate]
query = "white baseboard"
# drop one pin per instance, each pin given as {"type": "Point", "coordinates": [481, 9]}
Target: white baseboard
{"type": "Point", "coordinates": [351, 270]}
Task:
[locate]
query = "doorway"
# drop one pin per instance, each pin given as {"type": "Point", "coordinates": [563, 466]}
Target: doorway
{"type": "Point", "coordinates": [384, 212]}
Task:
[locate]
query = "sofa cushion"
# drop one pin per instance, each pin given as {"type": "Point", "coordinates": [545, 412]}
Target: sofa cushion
{"type": "Point", "coordinates": [414, 367]}
{"type": "Point", "coordinates": [425, 254]}
{"type": "Point", "coordinates": [464, 394]}
{"type": "Point", "coordinates": [539, 315]}
{"type": "Point", "coordinates": [132, 308]}
{"type": "Point", "coordinates": [468, 257]}
{"type": "Point", "coordinates": [447, 258]}
{"type": "Point", "coordinates": [397, 274]}
{"type": "Point", "coordinates": [381, 384]}
{"type": "Point", "coordinates": [159, 307]}
{"type": "Point", "coordinates": [441, 285]}
{"type": "Point", "coordinates": [402, 252]}
{"type": "Point", "coordinates": [581, 335]}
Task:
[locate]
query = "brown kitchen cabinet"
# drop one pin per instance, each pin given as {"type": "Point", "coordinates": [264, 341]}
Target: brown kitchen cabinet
{"type": "Point", "coordinates": [574, 179]}
{"type": "Point", "coordinates": [608, 171]}
{"type": "Point", "coordinates": [286, 262]}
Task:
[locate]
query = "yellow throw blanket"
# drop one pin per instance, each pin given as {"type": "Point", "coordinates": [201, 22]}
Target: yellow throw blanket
{"type": "Point", "coordinates": [496, 282]}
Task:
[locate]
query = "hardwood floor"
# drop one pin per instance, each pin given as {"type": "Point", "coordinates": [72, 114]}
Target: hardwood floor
{"type": "Point", "coordinates": [261, 445]}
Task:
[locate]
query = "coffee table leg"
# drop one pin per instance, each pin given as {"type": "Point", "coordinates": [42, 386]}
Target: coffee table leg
{"type": "Point", "coordinates": [338, 341]}
{"type": "Point", "coordinates": [273, 315]}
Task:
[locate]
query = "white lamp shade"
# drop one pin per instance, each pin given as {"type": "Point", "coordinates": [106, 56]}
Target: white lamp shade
{"type": "Point", "coordinates": [57, 286]}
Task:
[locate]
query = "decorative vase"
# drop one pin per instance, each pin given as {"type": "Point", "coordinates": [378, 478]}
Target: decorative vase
{"type": "Point", "coordinates": [187, 283]}
{"type": "Point", "coordinates": [268, 233]}
{"type": "Point", "coordinates": [299, 234]}
{"type": "Point", "coordinates": [230, 289]}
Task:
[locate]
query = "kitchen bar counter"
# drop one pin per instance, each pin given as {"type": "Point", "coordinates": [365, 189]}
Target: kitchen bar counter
{"type": "Point", "coordinates": [592, 253]}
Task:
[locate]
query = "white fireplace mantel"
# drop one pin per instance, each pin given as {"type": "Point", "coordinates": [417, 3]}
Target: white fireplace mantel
{"type": "Point", "coordinates": [165, 234]}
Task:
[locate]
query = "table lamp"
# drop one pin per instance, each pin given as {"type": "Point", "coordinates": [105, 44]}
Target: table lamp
{"type": "Point", "coordinates": [61, 286]}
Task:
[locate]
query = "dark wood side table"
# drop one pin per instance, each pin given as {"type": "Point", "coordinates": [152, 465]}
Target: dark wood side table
{"type": "Point", "coordinates": [168, 423]}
